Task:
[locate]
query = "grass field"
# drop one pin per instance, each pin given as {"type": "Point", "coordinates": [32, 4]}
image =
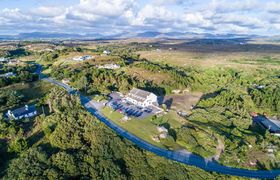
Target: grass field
{"type": "Point", "coordinates": [182, 102]}
{"type": "Point", "coordinates": [266, 60]}
{"type": "Point", "coordinates": [143, 128]}
{"type": "Point", "coordinates": [147, 130]}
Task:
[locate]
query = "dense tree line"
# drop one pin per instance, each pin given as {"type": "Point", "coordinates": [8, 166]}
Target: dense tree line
{"type": "Point", "coordinates": [25, 73]}
{"type": "Point", "coordinates": [18, 52]}
{"type": "Point", "coordinates": [9, 99]}
{"type": "Point", "coordinates": [95, 81]}
{"type": "Point", "coordinates": [124, 51]}
{"type": "Point", "coordinates": [267, 95]}
{"type": "Point", "coordinates": [52, 56]}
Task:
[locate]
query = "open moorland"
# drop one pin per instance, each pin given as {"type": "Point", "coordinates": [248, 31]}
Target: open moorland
{"type": "Point", "coordinates": [239, 53]}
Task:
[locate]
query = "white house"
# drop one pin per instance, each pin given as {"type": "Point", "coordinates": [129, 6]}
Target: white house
{"type": "Point", "coordinates": [141, 98]}
{"type": "Point", "coordinates": [82, 58]}
{"type": "Point", "coordinates": [107, 52]}
{"type": "Point", "coordinates": [109, 66]}
{"type": "Point", "coordinates": [23, 112]}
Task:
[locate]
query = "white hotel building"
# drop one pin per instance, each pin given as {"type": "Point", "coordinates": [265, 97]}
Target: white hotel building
{"type": "Point", "coordinates": [141, 98]}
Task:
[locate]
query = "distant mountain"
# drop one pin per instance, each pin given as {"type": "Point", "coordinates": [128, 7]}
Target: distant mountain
{"type": "Point", "coordinates": [180, 35]}
{"type": "Point", "coordinates": [6, 37]}
{"type": "Point", "coordinates": [145, 34]}
{"type": "Point", "coordinates": [149, 34]}
{"type": "Point", "coordinates": [43, 35]}
{"type": "Point", "coordinates": [47, 35]}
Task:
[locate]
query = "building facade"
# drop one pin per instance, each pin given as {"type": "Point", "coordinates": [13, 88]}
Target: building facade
{"type": "Point", "coordinates": [141, 98]}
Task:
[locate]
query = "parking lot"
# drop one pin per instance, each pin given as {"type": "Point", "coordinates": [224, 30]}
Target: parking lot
{"type": "Point", "coordinates": [119, 104]}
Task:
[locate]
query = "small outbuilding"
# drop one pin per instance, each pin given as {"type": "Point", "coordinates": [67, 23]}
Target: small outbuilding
{"type": "Point", "coordinates": [161, 129]}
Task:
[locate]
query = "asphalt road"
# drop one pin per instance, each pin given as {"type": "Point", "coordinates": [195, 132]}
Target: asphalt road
{"type": "Point", "coordinates": [182, 157]}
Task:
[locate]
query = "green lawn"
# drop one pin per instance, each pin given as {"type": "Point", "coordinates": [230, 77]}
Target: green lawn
{"type": "Point", "coordinates": [174, 119]}
{"type": "Point", "coordinates": [112, 115]}
{"type": "Point", "coordinates": [142, 128]}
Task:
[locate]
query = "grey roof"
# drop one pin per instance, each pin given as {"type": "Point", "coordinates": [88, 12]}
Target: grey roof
{"type": "Point", "coordinates": [23, 110]}
{"type": "Point", "coordinates": [272, 125]}
{"type": "Point", "coordinates": [138, 94]}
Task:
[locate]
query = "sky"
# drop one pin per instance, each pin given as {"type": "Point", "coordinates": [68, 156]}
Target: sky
{"type": "Point", "coordinates": [260, 17]}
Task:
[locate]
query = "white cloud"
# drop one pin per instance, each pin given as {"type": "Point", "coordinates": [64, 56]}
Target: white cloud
{"type": "Point", "coordinates": [196, 19]}
{"type": "Point", "coordinates": [48, 11]}
{"type": "Point", "coordinates": [277, 26]}
{"type": "Point", "coordinates": [238, 19]}
{"type": "Point", "coordinates": [273, 7]}
{"type": "Point", "coordinates": [106, 16]}
{"type": "Point", "coordinates": [3, 21]}
{"type": "Point", "coordinates": [78, 15]}
{"type": "Point", "coordinates": [150, 12]}
{"type": "Point", "coordinates": [226, 28]}
{"type": "Point", "coordinates": [14, 15]}
{"type": "Point", "coordinates": [168, 2]}
{"type": "Point", "coordinates": [105, 7]}
{"type": "Point", "coordinates": [236, 5]}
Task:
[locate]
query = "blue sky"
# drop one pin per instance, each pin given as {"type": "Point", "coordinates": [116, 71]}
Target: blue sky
{"type": "Point", "coordinates": [132, 16]}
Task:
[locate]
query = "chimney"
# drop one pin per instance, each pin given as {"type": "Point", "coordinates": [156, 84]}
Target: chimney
{"type": "Point", "coordinates": [9, 112]}
{"type": "Point", "coordinates": [26, 107]}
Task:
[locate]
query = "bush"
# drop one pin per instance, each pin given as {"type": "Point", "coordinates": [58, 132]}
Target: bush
{"type": "Point", "coordinates": [18, 145]}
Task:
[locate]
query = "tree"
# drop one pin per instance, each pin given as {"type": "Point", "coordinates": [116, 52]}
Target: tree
{"type": "Point", "coordinates": [14, 98]}
{"type": "Point", "coordinates": [83, 83]}
{"type": "Point", "coordinates": [18, 145]}
{"type": "Point", "coordinates": [66, 163]}
{"type": "Point", "coordinates": [30, 165]}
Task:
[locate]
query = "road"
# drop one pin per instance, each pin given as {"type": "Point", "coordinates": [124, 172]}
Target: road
{"type": "Point", "coordinates": [187, 158]}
